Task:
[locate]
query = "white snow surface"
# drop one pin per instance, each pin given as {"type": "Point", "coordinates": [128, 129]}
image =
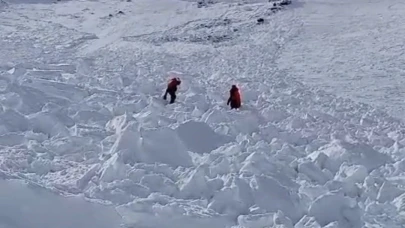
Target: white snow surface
{"type": "Point", "coordinates": [82, 115]}
{"type": "Point", "coordinates": [25, 205]}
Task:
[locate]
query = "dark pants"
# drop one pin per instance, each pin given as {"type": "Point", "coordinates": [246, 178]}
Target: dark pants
{"type": "Point", "coordinates": [234, 104]}
{"type": "Point", "coordinates": [172, 94]}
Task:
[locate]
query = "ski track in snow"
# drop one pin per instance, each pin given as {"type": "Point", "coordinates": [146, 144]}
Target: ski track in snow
{"type": "Point", "coordinates": [81, 113]}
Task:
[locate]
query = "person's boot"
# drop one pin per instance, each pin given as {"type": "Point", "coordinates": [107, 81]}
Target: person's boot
{"type": "Point", "coordinates": [172, 98]}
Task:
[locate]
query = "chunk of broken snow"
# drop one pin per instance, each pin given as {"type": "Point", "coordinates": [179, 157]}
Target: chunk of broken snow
{"type": "Point", "coordinates": [388, 192]}
{"type": "Point", "coordinates": [227, 201]}
{"type": "Point", "coordinates": [361, 154]}
{"type": "Point", "coordinates": [352, 173]}
{"type": "Point", "coordinates": [113, 169]}
{"type": "Point", "coordinates": [307, 222]}
{"type": "Point", "coordinates": [399, 202]}
{"type": "Point", "coordinates": [13, 121]}
{"type": "Point", "coordinates": [273, 115]}
{"type": "Point", "coordinates": [150, 146]}
{"type": "Point", "coordinates": [159, 183]}
{"type": "Point", "coordinates": [118, 123]}
{"type": "Point", "coordinates": [332, 225]}
{"type": "Point", "coordinates": [215, 117]}
{"type": "Point", "coordinates": [280, 220]}
{"type": "Point", "coordinates": [84, 180]}
{"type": "Point", "coordinates": [332, 207]}
{"type": "Point", "coordinates": [246, 124]}
{"type": "Point", "coordinates": [313, 192]}
{"type": "Point", "coordinates": [199, 137]}
{"type": "Point", "coordinates": [271, 196]}
{"type": "Point", "coordinates": [195, 185]}
{"type": "Point", "coordinates": [164, 145]}
{"type": "Point", "coordinates": [313, 172]}
{"type": "Point", "coordinates": [256, 220]}
{"type": "Point", "coordinates": [48, 124]}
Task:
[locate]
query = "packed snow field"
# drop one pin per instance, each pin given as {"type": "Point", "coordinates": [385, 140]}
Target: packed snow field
{"type": "Point", "coordinates": [353, 49]}
{"type": "Point", "coordinates": [81, 85]}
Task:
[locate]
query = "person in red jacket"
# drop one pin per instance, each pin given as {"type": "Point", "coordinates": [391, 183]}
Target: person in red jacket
{"type": "Point", "coordinates": [172, 89]}
{"type": "Point", "coordinates": [234, 98]}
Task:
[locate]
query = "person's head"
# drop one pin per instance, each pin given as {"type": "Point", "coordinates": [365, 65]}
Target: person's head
{"type": "Point", "coordinates": [234, 87]}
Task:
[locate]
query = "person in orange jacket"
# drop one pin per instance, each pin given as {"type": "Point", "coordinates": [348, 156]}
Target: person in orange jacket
{"type": "Point", "coordinates": [172, 89]}
{"type": "Point", "coordinates": [234, 98]}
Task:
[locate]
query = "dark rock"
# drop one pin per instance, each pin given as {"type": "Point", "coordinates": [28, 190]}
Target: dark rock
{"type": "Point", "coordinates": [200, 4]}
{"type": "Point", "coordinates": [204, 3]}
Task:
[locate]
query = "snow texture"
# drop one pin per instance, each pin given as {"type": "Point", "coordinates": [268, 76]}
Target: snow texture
{"type": "Point", "coordinates": [82, 114]}
{"type": "Point", "coordinates": [25, 205]}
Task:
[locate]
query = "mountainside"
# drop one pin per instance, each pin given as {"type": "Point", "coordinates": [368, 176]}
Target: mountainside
{"type": "Point", "coordinates": [82, 114]}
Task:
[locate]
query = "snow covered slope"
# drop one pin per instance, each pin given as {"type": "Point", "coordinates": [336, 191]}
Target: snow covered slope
{"type": "Point", "coordinates": [81, 113]}
{"type": "Point", "coordinates": [31, 206]}
{"type": "Point", "coordinates": [353, 49]}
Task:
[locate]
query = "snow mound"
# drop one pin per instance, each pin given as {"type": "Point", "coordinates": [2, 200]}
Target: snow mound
{"type": "Point", "coordinates": [272, 196]}
{"type": "Point", "coordinates": [345, 210]}
{"type": "Point", "coordinates": [340, 151]}
{"type": "Point", "coordinates": [199, 137]}
{"type": "Point", "coordinates": [138, 145]}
